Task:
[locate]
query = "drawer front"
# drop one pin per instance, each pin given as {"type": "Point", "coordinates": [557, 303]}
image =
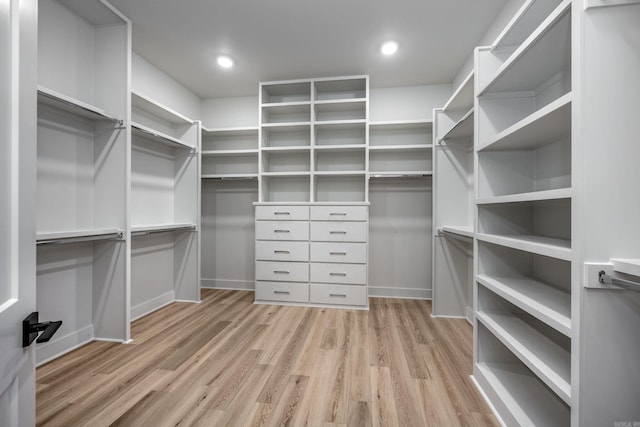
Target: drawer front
{"type": "Point", "coordinates": [282, 213]}
{"type": "Point", "coordinates": [282, 230]}
{"type": "Point", "coordinates": [282, 251]}
{"type": "Point", "coordinates": [339, 213]}
{"type": "Point", "coordinates": [282, 291]}
{"type": "Point", "coordinates": [338, 273]}
{"type": "Point", "coordinates": [326, 231]}
{"type": "Point", "coordinates": [338, 252]}
{"type": "Point", "coordinates": [282, 271]}
{"type": "Point", "coordinates": [338, 294]}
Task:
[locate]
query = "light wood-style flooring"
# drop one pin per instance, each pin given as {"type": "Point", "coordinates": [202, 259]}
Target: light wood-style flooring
{"type": "Point", "coordinates": [227, 361]}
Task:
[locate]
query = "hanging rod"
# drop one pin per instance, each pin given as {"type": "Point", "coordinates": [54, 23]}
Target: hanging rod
{"type": "Point", "coordinates": [79, 239]}
{"type": "Point", "coordinates": [605, 279]}
{"type": "Point", "coordinates": [230, 178]}
{"type": "Point", "coordinates": [454, 235]}
{"type": "Point", "coordinates": [164, 230]}
{"type": "Point", "coordinates": [400, 175]}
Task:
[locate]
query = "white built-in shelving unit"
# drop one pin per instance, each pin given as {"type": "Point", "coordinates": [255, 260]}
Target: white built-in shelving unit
{"type": "Point", "coordinates": [165, 191]}
{"type": "Point", "coordinates": [453, 203]}
{"type": "Point", "coordinates": [230, 153]}
{"type": "Point", "coordinates": [523, 218]}
{"type": "Point", "coordinates": [312, 209]}
{"type": "Point", "coordinates": [400, 149]}
{"type": "Point", "coordinates": [82, 268]}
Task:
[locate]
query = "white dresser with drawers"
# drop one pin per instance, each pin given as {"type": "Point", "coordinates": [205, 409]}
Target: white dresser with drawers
{"type": "Point", "coordinates": [312, 254]}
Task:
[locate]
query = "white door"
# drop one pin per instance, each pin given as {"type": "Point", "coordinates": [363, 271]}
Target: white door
{"type": "Point", "coordinates": [18, 77]}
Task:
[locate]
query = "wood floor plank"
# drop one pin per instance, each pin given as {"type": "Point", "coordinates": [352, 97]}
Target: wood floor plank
{"type": "Point", "coordinates": [229, 362]}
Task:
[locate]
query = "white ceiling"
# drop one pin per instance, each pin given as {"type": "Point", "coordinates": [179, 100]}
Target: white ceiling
{"type": "Point", "coordinates": [294, 39]}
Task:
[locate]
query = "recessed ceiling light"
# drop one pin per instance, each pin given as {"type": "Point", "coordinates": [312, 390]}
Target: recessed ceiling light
{"type": "Point", "coordinates": [225, 61]}
{"type": "Point", "coordinates": [389, 48]}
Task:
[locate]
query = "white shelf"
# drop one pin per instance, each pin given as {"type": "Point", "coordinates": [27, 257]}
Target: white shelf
{"type": "Point", "coordinates": [346, 147]}
{"type": "Point", "coordinates": [546, 246]}
{"type": "Point", "coordinates": [561, 193]}
{"type": "Point", "coordinates": [339, 173]}
{"type": "Point", "coordinates": [290, 149]}
{"type": "Point", "coordinates": [153, 135]}
{"type": "Point", "coordinates": [462, 98]}
{"type": "Point", "coordinates": [71, 105]}
{"type": "Point", "coordinates": [524, 22]}
{"type": "Point", "coordinates": [524, 395]}
{"type": "Point", "coordinates": [78, 236]}
{"type": "Point", "coordinates": [549, 361]}
{"type": "Point", "coordinates": [150, 106]}
{"type": "Point", "coordinates": [462, 230]}
{"type": "Point", "coordinates": [546, 125]}
{"type": "Point", "coordinates": [287, 174]}
{"type": "Point", "coordinates": [161, 228]}
{"type": "Point", "coordinates": [231, 131]}
{"type": "Point", "coordinates": [339, 124]}
{"type": "Point", "coordinates": [543, 301]}
{"type": "Point", "coordinates": [401, 147]}
{"type": "Point", "coordinates": [626, 266]}
{"type": "Point", "coordinates": [538, 58]}
{"type": "Point", "coordinates": [463, 128]}
{"type": "Point", "coordinates": [268, 105]}
{"type": "Point", "coordinates": [222, 153]}
{"type": "Point", "coordinates": [285, 125]}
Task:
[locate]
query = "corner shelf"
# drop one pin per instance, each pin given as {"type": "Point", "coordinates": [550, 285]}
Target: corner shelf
{"type": "Point", "coordinates": [155, 136]}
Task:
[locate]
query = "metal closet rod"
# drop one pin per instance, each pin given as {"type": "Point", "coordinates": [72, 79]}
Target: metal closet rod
{"type": "Point", "coordinates": [400, 175]}
{"type": "Point", "coordinates": [77, 239]}
{"type": "Point", "coordinates": [164, 230]}
{"type": "Point", "coordinates": [605, 279]}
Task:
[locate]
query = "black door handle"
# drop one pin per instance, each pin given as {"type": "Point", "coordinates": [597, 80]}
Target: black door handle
{"type": "Point", "coordinates": [31, 328]}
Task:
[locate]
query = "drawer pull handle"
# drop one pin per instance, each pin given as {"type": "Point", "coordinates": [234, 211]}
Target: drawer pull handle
{"type": "Point", "coordinates": [281, 272]}
{"type": "Point", "coordinates": [338, 295]}
{"type": "Point", "coordinates": [282, 292]}
{"type": "Point", "coordinates": [337, 232]}
{"type": "Point", "coordinates": [281, 252]}
{"type": "Point", "coordinates": [281, 231]}
{"type": "Point", "coordinates": [337, 274]}
{"type": "Point", "coordinates": [282, 213]}
{"type": "Point", "coordinates": [337, 253]}
{"type": "Point", "coordinates": [338, 213]}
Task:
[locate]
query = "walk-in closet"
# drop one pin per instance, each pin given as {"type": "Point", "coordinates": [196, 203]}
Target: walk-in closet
{"type": "Point", "coordinates": [341, 214]}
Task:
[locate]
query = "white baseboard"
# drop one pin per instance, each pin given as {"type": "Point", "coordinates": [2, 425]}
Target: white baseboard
{"type": "Point", "coordinates": [407, 293]}
{"type": "Point", "coordinates": [234, 285]}
{"type": "Point", "coordinates": [152, 305]}
{"type": "Point", "coordinates": [487, 400]}
{"type": "Point", "coordinates": [55, 348]}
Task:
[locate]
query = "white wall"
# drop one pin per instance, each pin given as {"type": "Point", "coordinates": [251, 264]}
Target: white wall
{"type": "Point", "coordinates": [230, 112]}
{"type": "Point", "coordinates": [406, 103]}
{"type": "Point", "coordinates": [154, 83]}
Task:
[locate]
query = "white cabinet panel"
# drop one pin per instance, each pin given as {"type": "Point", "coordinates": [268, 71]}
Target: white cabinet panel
{"type": "Point", "coordinates": [282, 271]}
{"type": "Point", "coordinates": [282, 230]}
{"type": "Point", "coordinates": [338, 231]}
{"type": "Point", "coordinates": [282, 291]}
{"type": "Point", "coordinates": [282, 251]}
{"type": "Point", "coordinates": [338, 213]}
{"type": "Point", "coordinates": [338, 294]}
{"type": "Point", "coordinates": [338, 273]}
{"type": "Point", "coordinates": [338, 252]}
{"type": "Point", "coordinates": [289, 213]}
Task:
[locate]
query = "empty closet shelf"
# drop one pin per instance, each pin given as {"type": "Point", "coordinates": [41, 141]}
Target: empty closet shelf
{"type": "Point", "coordinates": [60, 237]}
{"type": "Point", "coordinates": [153, 135]}
{"type": "Point", "coordinates": [541, 245]}
{"type": "Point", "coordinates": [74, 106]}
{"type": "Point", "coordinates": [460, 232]}
{"type": "Point", "coordinates": [162, 228]}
